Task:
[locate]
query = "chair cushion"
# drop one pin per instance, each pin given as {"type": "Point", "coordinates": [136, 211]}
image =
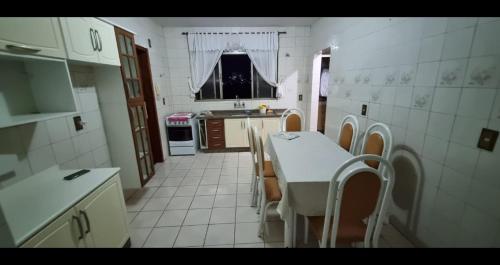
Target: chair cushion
{"type": "Point", "coordinates": [293, 123]}
{"type": "Point", "coordinates": [268, 169]}
{"type": "Point", "coordinates": [273, 192]}
{"type": "Point", "coordinates": [346, 137]}
{"type": "Point", "coordinates": [346, 234]}
{"type": "Point", "coordinates": [374, 146]}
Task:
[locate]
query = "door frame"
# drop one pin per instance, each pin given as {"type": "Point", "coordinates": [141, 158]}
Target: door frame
{"type": "Point", "coordinates": [149, 98]}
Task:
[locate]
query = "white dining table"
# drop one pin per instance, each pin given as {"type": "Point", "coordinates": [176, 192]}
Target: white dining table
{"type": "Point", "coordinates": [304, 167]}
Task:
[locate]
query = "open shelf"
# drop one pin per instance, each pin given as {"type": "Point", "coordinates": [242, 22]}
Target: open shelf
{"type": "Point", "coordinates": [34, 89]}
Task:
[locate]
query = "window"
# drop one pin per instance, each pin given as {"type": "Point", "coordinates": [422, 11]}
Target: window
{"type": "Point", "coordinates": [235, 76]}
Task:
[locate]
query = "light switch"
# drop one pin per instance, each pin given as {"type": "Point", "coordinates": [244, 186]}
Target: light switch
{"type": "Point", "coordinates": [363, 109]}
{"type": "Point", "coordinates": [487, 139]}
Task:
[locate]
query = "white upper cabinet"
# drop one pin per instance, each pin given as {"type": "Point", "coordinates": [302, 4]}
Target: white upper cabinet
{"type": "Point", "coordinates": [32, 35]}
{"type": "Point", "coordinates": [108, 49]}
{"type": "Point", "coordinates": [80, 39]}
{"type": "Point", "coordinates": [90, 40]}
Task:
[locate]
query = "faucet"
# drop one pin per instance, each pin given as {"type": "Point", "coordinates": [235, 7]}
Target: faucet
{"type": "Point", "coordinates": [238, 103]}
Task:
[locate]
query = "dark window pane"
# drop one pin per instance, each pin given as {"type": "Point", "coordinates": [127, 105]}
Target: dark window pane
{"type": "Point", "coordinates": [208, 90]}
{"type": "Point", "coordinates": [236, 79]}
{"type": "Point", "coordinates": [261, 88]}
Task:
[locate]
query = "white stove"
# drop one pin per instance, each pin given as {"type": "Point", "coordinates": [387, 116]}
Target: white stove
{"type": "Point", "coordinates": [182, 133]}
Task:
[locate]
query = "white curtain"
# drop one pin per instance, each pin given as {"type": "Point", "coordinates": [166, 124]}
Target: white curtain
{"type": "Point", "coordinates": [206, 49]}
{"type": "Point", "coordinates": [262, 48]}
{"type": "Point", "coordinates": [204, 53]}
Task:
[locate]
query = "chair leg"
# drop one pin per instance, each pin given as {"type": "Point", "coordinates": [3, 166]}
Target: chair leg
{"type": "Point", "coordinates": [255, 191]}
{"type": "Point", "coordinates": [258, 196]}
{"type": "Point", "coordinates": [262, 216]}
{"type": "Point", "coordinates": [306, 230]}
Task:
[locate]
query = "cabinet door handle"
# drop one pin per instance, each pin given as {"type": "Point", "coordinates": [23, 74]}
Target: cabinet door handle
{"type": "Point", "coordinates": [262, 121]}
{"type": "Point", "coordinates": [21, 48]}
{"type": "Point", "coordinates": [80, 228]}
{"type": "Point", "coordinates": [99, 47]}
{"type": "Point", "coordinates": [86, 221]}
{"type": "Point", "coordinates": [92, 39]}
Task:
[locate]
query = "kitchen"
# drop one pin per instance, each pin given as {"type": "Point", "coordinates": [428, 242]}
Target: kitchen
{"type": "Point", "coordinates": [166, 127]}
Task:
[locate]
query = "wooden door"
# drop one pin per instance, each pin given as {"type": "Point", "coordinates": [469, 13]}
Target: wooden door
{"type": "Point", "coordinates": [137, 106]}
{"type": "Point", "coordinates": [150, 100]}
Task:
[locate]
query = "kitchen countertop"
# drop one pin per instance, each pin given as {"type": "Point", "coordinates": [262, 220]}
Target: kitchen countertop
{"type": "Point", "coordinates": [229, 114]}
{"type": "Point", "coordinates": [31, 204]}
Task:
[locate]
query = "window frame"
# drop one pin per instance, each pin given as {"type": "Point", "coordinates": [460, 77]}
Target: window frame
{"type": "Point", "coordinates": [221, 83]}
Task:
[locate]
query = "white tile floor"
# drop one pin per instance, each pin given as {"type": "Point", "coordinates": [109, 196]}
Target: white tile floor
{"type": "Point", "coordinates": [204, 201]}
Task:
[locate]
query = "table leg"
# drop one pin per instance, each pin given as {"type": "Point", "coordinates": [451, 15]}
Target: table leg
{"type": "Point", "coordinates": [290, 229]}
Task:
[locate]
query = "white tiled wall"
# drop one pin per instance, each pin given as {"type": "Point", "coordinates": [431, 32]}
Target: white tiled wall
{"type": "Point", "coordinates": [436, 106]}
{"type": "Point", "coordinates": [293, 68]}
{"type": "Point", "coordinates": [41, 145]}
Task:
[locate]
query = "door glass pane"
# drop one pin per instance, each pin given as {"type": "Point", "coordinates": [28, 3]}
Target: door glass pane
{"type": "Point", "coordinates": [140, 144]}
{"type": "Point", "coordinates": [140, 111]}
{"type": "Point", "coordinates": [134, 90]}
{"type": "Point", "coordinates": [149, 164]}
{"type": "Point", "coordinates": [121, 40]}
{"type": "Point", "coordinates": [133, 69]}
{"type": "Point", "coordinates": [130, 46]}
{"type": "Point", "coordinates": [144, 169]}
{"type": "Point", "coordinates": [125, 65]}
{"type": "Point", "coordinates": [135, 120]}
{"type": "Point", "coordinates": [145, 139]}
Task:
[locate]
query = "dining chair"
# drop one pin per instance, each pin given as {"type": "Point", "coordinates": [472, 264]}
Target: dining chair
{"type": "Point", "coordinates": [268, 167]}
{"type": "Point", "coordinates": [377, 141]}
{"type": "Point", "coordinates": [270, 193]}
{"type": "Point", "coordinates": [292, 120]}
{"type": "Point", "coordinates": [357, 201]}
{"type": "Point", "coordinates": [348, 134]}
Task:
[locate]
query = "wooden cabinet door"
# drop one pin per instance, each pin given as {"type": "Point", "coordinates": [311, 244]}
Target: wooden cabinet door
{"type": "Point", "coordinates": [32, 35]}
{"type": "Point", "coordinates": [108, 49]}
{"type": "Point", "coordinates": [103, 216]}
{"type": "Point", "coordinates": [235, 133]}
{"type": "Point", "coordinates": [270, 126]}
{"type": "Point", "coordinates": [80, 38]}
{"type": "Point", "coordinates": [64, 232]}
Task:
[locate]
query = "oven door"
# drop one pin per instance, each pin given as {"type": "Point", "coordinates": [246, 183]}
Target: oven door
{"type": "Point", "coordinates": [180, 136]}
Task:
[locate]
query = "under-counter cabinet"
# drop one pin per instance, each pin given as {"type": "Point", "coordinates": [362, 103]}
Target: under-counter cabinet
{"type": "Point", "coordinates": [98, 220]}
{"type": "Point", "coordinates": [236, 133]}
{"type": "Point", "coordinates": [32, 35]}
{"type": "Point", "coordinates": [90, 40]}
{"type": "Point", "coordinates": [215, 134]}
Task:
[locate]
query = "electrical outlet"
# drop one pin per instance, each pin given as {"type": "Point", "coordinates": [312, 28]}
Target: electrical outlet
{"type": "Point", "coordinates": [487, 139]}
{"type": "Point", "coordinates": [300, 97]}
{"type": "Point", "coordinates": [78, 123]}
{"type": "Point", "coordinates": [363, 109]}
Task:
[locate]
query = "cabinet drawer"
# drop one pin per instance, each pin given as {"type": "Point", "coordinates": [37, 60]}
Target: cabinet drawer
{"type": "Point", "coordinates": [216, 145]}
{"type": "Point", "coordinates": [215, 123]}
{"type": "Point", "coordinates": [216, 138]}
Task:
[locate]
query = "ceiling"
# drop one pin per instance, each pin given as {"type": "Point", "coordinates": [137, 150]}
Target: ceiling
{"type": "Point", "coordinates": [234, 21]}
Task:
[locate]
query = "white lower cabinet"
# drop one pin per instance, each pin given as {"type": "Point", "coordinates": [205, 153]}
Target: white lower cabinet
{"type": "Point", "coordinates": [99, 220]}
{"type": "Point", "coordinates": [61, 233]}
{"type": "Point", "coordinates": [236, 130]}
{"type": "Point", "coordinates": [269, 126]}
{"type": "Point", "coordinates": [235, 133]}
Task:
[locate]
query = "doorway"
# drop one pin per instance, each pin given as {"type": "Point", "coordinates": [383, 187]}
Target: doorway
{"type": "Point", "coordinates": [149, 98]}
{"type": "Point", "coordinates": [319, 90]}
